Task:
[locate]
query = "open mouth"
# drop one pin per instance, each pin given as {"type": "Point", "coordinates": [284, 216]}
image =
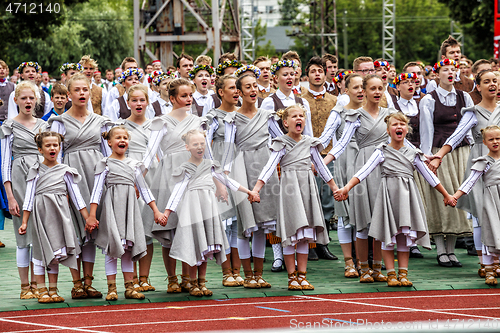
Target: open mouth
{"type": "Point", "coordinates": [298, 127]}
{"type": "Point", "coordinates": [360, 97]}
{"type": "Point", "coordinates": [236, 97]}
{"type": "Point", "coordinates": [265, 76]}
{"type": "Point", "coordinates": [122, 145]}
{"type": "Point", "coordinates": [399, 132]}
{"type": "Point", "coordinates": [289, 83]}
{"type": "Point", "coordinates": [253, 95]}
{"type": "Point", "coordinates": [384, 77]}
{"type": "Point", "coordinates": [450, 78]}
{"type": "Point", "coordinates": [52, 154]}
{"type": "Point", "coordinates": [204, 84]}
{"type": "Point", "coordinates": [28, 107]}
{"type": "Point", "coordinates": [82, 99]}
{"type": "Point", "coordinates": [410, 90]}
{"type": "Point", "coordinates": [376, 97]}
{"type": "Point", "coordinates": [493, 90]}
{"type": "Point", "coordinates": [139, 109]}
{"type": "Point", "coordinates": [212, 82]}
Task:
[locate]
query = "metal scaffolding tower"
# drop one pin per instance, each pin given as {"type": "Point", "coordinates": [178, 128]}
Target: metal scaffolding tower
{"type": "Point", "coordinates": [457, 33]}
{"type": "Point", "coordinates": [247, 29]}
{"type": "Point", "coordinates": [159, 24]}
{"type": "Point", "coordinates": [389, 31]}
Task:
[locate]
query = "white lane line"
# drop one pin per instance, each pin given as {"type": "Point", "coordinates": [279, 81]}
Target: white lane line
{"type": "Point", "coordinates": [399, 307]}
{"type": "Point", "coordinates": [51, 327]}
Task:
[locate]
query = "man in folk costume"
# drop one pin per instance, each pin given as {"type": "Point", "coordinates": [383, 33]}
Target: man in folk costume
{"type": "Point", "coordinates": [331, 64]}
{"type": "Point", "coordinates": [264, 81]}
{"type": "Point", "coordinates": [118, 90]}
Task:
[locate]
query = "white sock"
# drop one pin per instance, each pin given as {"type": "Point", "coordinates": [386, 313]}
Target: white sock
{"type": "Point", "coordinates": [278, 254]}
{"type": "Point", "coordinates": [450, 246]}
{"type": "Point", "coordinates": [440, 247]}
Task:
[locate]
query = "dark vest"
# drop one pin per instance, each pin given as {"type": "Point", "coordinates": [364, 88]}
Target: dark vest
{"type": "Point", "coordinates": [124, 111]}
{"type": "Point", "coordinates": [414, 137]}
{"type": "Point", "coordinates": [5, 92]}
{"type": "Point", "coordinates": [197, 109]}
{"type": "Point", "coordinates": [446, 119]}
{"type": "Point", "coordinates": [278, 105]}
{"type": "Point", "coordinates": [157, 107]}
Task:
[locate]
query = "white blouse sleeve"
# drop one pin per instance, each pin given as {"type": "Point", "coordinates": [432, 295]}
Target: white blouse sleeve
{"type": "Point", "coordinates": [99, 180]}
{"type": "Point", "coordinates": [229, 182]}
{"type": "Point", "coordinates": [468, 121]}
{"type": "Point", "coordinates": [229, 137]}
{"type": "Point", "coordinates": [142, 186]}
{"type": "Point", "coordinates": [271, 164]}
{"type": "Point", "coordinates": [153, 144]}
{"type": "Point", "coordinates": [12, 110]}
{"type": "Point", "coordinates": [74, 191]}
{"type": "Point", "coordinates": [30, 194]}
{"type": "Point", "coordinates": [426, 128]}
{"type": "Point", "coordinates": [349, 130]}
{"type": "Point", "coordinates": [6, 144]}
{"type": "Point", "coordinates": [308, 130]}
{"type": "Point", "coordinates": [320, 166]}
{"type": "Point", "coordinates": [208, 106]}
{"type": "Point", "coordinates": [113, 110]}
{"type": "Point", "coordinates": [177, 193]}
{"type": "Point", "coordinates": [469, 183]}
{"type": "Point", "coordinates": [214, 126]}
{"type": "Point", "coordinates": [332, 124]}
{"type": "Point", "coordinates": [376, 158]}
{"type": "Point", "coordinates": [105, 148]}
{"type": "Point", "coordinates": [274, 128]}
{"type": "Point", "coordinates": [59, 127]}
{"type": "Point", "coordinates": [468, 100]}
{"type": "Point", "coordinates": [424, 170]}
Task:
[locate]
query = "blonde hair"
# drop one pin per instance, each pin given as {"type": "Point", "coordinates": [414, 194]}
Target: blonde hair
{"type": "Point", "coordinates": [174, 85]}
{"type": "Point", "coordinates": [26, 85]}
{"type": "Point", "coordinates": [187, 136]}
{"type": "Point", "coordinates": [283, 113]}
{"type": "Point", "coordinates": [203, 60]}
{"type": "Point", "coordinates": [398, 116]}
{"type": "Point", "coordinates": [78, 77]}
{"type": "Point", "coordinates": [42, 135]}
{"type": "Point", "coordinates": [489, 129]}
{"type": "Point", "coordinates": [109, 134]}
{"type": "Point", "coordinates": [138, 87]}
{"type": "Point", "coordinates": [86, 59]}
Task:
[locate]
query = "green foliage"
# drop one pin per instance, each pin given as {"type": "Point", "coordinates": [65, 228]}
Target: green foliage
{"type": "Point", "coordinates": [262, 50]}
{"type": "Point", "coordinates": [289, 11]}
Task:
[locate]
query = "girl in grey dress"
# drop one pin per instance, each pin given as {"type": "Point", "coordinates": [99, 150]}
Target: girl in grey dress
{"type": "Point", "coordinates": [474, 119]}
{"type": "Point", "coordinates": [343, 167]}
{"type": "Point", "coordinates": [367, 124]}
{"type": "Point", "coordinates": [247, 135]}
{"type": "Point", "coordinates": [165, 141]}
{"type": "Point", "coordinates": [398, 215]}
{"type": "Point", "coordinates": [19, 153]}
{"type": "Point", "coordinates": [54, 238]}
{"type": "Point", "coordinates": [139, 128]}
{"type": "Point", "coordinates": [121, 231]}
{"type": "Point", "coordinates": [199, 233]}
{"type": "Point", "coordinates": [300, 214]}
{"type": "Point", "coordinates": [225, 88]}
{"type": "Point", "coordinates": [83, 148]}
{"type": "Point", "coordinates": [487, 166]}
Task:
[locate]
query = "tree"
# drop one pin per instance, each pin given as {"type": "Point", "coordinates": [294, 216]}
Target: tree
{"type": "Point", "coordinates": [259, 33]}
{"type": "Point", "coordinates": [289, 11]}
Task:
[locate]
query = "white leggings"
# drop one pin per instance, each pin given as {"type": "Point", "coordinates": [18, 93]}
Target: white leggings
{"type": "Point", "coordinates": [23, 257]}
{"type": "Point", "coordinates": [88, 252]}
{"type": "Point", "coordinates": [400, 242]}
{"type": "Point", "coordinates": [232, 236]}
{"type": "Point", "coordinates": [111, 264]}
{"type": "Point", "coordinates": [363, 234]}
{"type": "Point", "coordinates": [258, 245]}
{"type": "Point", "coordinates": [40, 270]}
{"type": "Point", "coordinates": [344, 232]}
{"type": "Point", "coordinates": [477, 238]}
{"type": "Point", "coordinates": [302, 248]}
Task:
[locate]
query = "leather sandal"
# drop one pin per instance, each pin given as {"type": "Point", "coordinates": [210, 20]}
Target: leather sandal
{"type": "Point", "coordinates": [34, 289]}
{"type": "Point", "coordinates": [490, 279]}
{"type": "Point", "coordinates": [130, 292]}
{"type": "Point", "coordinates": [194, 290]}
{"type": "Point", "coordinates": [250, 281]}
{"type": "Point", "coordinates": [365, 275]}
{"type": "Point", "coordinates": [237, 277]}
{"type": "Point", "coordinates": [392, 280]}
{"type": "Point", "coordinates": [349, 270]}
{"type": "Point", "coordinates": [377, 274]}
{"type": "Point", "coordinates": [54, 295]}
{"type": "Point", "coordinates": [260, 280]}
{"type": "Point", "coordinates": [78, 292]}
{"type": "Point", "coordinates": [137, 285]}
{"type": "Point", "coordinates": [203, 288]}
{"type": "Point", "coordinates": [293, 282]}
{"type": "Point", "coordinates": [304, 284]}
{"type": "Point", "coordinates": [185, 284]}
{"type": "Point", "coordinates": [44, 296]}
{"type": "Point", "coordinates": [173, 285]}
{"type": "Point", "coordinates": [481, 271]}
{"type": "Point", "coordinates": [403, 278]}
{"type": "Point", "coordinates": [145, 284]}
{"type": "Point", "coordinates": [91, 291]}
{"type": "Point", "coordinates": [228, 279]}
{"type": "Point", "coordinates": [112, 292]}
{"type": "Point", "coordinates": [26, 292]}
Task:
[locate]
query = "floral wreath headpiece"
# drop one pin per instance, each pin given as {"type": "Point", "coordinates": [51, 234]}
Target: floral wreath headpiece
{"type": "Point", "coordinates": [227, 63]}
{"type": "Point", "coordinates": [197, 68]}
{"type": "Point", "coordinates": [282, 63]}
{"type": "Point", "coordinates": [341, 76]}
{"type": "Point", "coordinates": [70, 65]}
{"type": "Point", "coordinates": [382, 64]}
{"type": "Point", "coordinates": [404, 76]}
{"type": "Point", "coordinates": [152, 75]}
{"type": "Point", "coordinates": [163, 76]}
{"type": "Point", "coordinates": [130, 72]}
{"type": "Point", "coordinates": [25, 64]}
{"type": "Point", "coordinates": [444, 62]}
{"type": "Point", "coordinates": [245, 68]}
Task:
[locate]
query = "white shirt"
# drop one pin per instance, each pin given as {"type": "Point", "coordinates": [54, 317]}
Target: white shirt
{"type": "Point", "coordinates": [408, 107]}
{"type": "Point", "coordinates": [427, 106]}
{"type": "Point", "coordinates": [262, 88]}
{"type": "Point", "coordinates": [13, 112]}
{"type": "Point", "coordinates": [166, 107]}
{"type": "Point", "coordinates": [432, 85]}
{"type": "Point", "coordinates": [200, 99]}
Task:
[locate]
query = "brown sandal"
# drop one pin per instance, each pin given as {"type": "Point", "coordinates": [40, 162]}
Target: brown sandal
{"type": "Point", "coordinates": [91, 291]}
{"type": "Point", "coordinates": [350, 270]}
{"type": "Point", "coordinates": [145, 284]}
{"type": "Point", "coordinates": [403, 278]}
{"type": "Point", "coordinates": [44, 296]}
{"type": "Point", "coordinates": [377, 274]}
{"type": "Point", "coordinates": [304, 284]}
{"type": "Point", "coordinates": [112, 292]}
{"type": "Point", "coordinates": [228, 279]}
{"type": "Point", "coordinates": [392, 279]}
{"type": "Point", "coordinates": [194, 290]}
{"type": "Point", "coordinates": [250, 281]}
{"type": "Point", "coordinates": [173, 285]}
{"type": "Point", "coordinates": [365, 275]}
{"type": "Point", "coordinates": [203, 288]}
{"type": "Point", "coordinates": [185, 284]}
{"type": "Point", "coordinates": [258, 277]}
{"type": "Point", "coordinates": [237, 277]}
{"type": "Point", "coordinates": [78, 292]}
{"type": "Point", "coordinates": [130, 292]}
{"type": "Point", "coordinates": [55, 297]}
{"type": "Point", "coordinates": [34, 289]}
{"type": "Point", "coordinates": [490, 279]}
{"type": "Point", "coordinates": [26, 292]}
{"type": "Point", "coordinates": [293, 282]}
{"type": "Point", "coordinates": [481, 271]}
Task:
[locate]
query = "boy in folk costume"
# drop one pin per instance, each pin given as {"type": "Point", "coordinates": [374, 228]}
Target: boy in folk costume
{"type": "Point", "coordinates": [118, 90]}
{"type": "Point", "coordinates": [264, 80]}
{"type": "Point", "coordinates": [97, 95]}
{"type": "Point", "coordinates": [331, 64]}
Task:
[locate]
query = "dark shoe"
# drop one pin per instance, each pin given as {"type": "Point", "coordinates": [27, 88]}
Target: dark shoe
{"type": "Point", "coordinates": [460, 244]}
{"type": "Point", "coordinates": [415, 252]}
{"type": "Point", "coordinates": [277, 268]}
{"type": "Point", "coordinates": [312, 256]}
{"type": "Point", "coordinates": [455, 263]}
{"type": "Point", "coordinates": [442, 263]}
{"type": "Point", "coordinates": [324, 253]}
{"type": "Point", "coordinates": [471, 250]}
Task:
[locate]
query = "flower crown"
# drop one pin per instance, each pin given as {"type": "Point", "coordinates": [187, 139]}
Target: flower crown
{"type": "Point", "coordinates": [245, 68]}
{"type": "Point", "coordinates": [227, 63]}
{"type": "Point", "coordinates": [444, 62]}
{"type": "Point", "coordinates": [197, 68]}
{"type": "Point", "coordinates": [163, 76]}
{"type": "Point", "coordinates": [70, 65]}
{"type": "Point", "coordinates": [130, 72]}
{"type": "Point", "coordinates": [341, 76]}
{"type": "Point", "coordinates": [152, 75]}
{"type": "Point", "coordinates": [381, 64]}
{"type": "Point", "coordinates": [404, 76]}
{"type": "Point", "coordinates": [34, 64]}
{"type": "Point", "coordinates": [282, 63]}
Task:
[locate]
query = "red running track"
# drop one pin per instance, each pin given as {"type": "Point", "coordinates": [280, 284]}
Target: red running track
{"type": "Point", "coordinates": [457, 308]}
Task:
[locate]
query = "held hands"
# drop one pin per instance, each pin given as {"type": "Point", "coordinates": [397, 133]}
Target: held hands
{"type": "Point", "coordinates": [450, 200]}
{"type": "Point", "coordinates": [433, 162]}
{"type": "Point", "coordinates": [341, 194]}
{"type": "Point", "coordinates": [253, 196]}
{"type": "Point", "coordinates": [161, 218]}
{"type": "Point", "coordinates": [166, 214]}
{"type": "Point", "coordinates": [91, 224]}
